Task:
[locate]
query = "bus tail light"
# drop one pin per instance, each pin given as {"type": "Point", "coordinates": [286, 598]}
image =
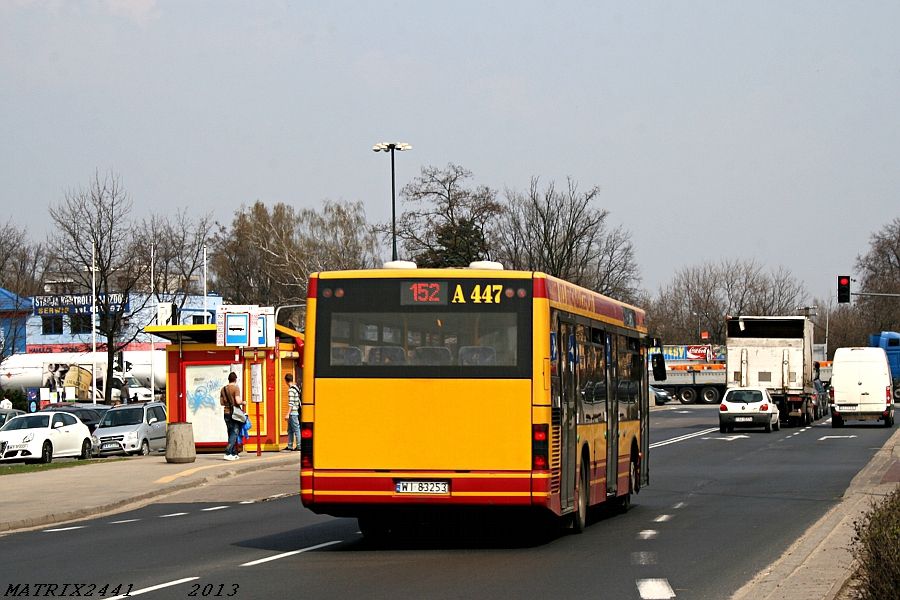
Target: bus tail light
{"type": "Point", "coordinates": [540, 447]}
{"type": "Point", "coordinates": [306, 445]}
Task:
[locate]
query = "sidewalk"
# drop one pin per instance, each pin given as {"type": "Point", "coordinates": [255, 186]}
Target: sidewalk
{"type": "Point", "coordinates": [817, 565]}
{"type": "Point", "coordinates": [59, 495]}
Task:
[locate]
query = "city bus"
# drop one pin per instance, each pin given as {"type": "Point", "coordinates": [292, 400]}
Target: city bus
{"type": "Point", "coordinates": [480, 387]}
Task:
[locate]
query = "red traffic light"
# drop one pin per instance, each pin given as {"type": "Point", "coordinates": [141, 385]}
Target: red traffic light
{"type": "Point", "coordinates": [843, 291]}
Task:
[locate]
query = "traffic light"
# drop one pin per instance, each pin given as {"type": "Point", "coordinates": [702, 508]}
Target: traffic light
{"type": "Point", "coordinates": [843, 289]}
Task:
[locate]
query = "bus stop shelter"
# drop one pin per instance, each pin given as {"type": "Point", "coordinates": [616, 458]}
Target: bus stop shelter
{"type": "Point", "coordinates": [197, 367]}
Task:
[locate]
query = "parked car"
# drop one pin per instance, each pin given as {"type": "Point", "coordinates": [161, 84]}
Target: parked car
{"type": "Point", "coordinates": [135, 428]}
{"type": "Point", "coordinates": [9, 413]}
{"type": "Point", "coordinates": [660, 396]}
{"type": "Point", "coordinates": [748, 407]}
{"type": "Point", "coordinates": [43, 436]}
{"type": "Point", "coordinates": [88, 416]}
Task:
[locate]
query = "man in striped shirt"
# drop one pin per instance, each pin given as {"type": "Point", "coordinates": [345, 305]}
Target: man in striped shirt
{"type": "Point", "coordinates": [293, 416]}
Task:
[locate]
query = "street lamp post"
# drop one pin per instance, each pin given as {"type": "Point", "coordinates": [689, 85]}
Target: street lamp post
{"type": "Point", "coordinates": [390, 147]}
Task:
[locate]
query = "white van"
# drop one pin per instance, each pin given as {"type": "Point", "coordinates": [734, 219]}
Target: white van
{"type": "Point", "coordinates": [861, 386]}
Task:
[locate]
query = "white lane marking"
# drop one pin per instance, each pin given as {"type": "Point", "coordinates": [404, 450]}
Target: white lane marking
{"type": "Point", "coordinates": [684, 412]}
{"type": "Point", "coordinates": [680, 505]}
{"type": "Point", "coordinates": [683, 437]}
{"type": "Point", "coordinates": [213, 508]}
{"type": "Point", "coordinates": [662, 518]}
{"type": "Point", "coordinates": [727, 438]}
{"type": "Point", "coordinates": [836, 437]}
{"type": "Point", "coordinates": [153, 588]}
{"type": "Point", "coordinates": [644, 558]}
{"type": "Point", "coordinates": [172, 515]}
{"type": "Point", "coordinates": [248, 502]}
{"type": "Point", "coordinates": [65, 528]}
{"type": "Point", "coordinates": [125, 521]}
{"type": "Point", "coordinates": [286, 554]}
{"type": "Point", "coordinates": [647, 534]}
{"type": "Point", "coordinates": [655, 589]}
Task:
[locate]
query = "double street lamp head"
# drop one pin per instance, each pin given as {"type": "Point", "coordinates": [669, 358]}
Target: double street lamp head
{"type": "Point", "coordinates": [387, 147]}
{"type": "Point", "coordinates": [390, 147]}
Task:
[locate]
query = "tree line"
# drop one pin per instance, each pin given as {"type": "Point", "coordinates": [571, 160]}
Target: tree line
{"type": "Point", "coordinates": [265, 254]}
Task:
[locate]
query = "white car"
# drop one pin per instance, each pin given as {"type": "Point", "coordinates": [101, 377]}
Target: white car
{"type": "Point", "coordinates": [748, 407]}
{"type": "Point", "coordinates": [41, 437]}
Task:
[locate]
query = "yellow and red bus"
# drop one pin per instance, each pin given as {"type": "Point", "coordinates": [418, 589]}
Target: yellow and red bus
{"type": "Point", "coordinates": [435, 388]}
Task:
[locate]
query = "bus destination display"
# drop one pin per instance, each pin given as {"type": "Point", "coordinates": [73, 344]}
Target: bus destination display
{"type": "Point", "coordinates": [423, 292]}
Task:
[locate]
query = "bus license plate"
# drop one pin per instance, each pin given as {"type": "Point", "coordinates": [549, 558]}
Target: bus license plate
{"type": "Point", "coordinates": [423, 487]}
{"type": "Point", "coordinates": [743, 419]}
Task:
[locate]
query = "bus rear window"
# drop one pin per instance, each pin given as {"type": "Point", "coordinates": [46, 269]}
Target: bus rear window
{"type": "Point", "coordinates": [423, 329]}
{"type": "Point", "coordinates": [424, 339]}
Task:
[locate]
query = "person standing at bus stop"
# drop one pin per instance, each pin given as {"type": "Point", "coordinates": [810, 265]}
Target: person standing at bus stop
{"type": "Point", "coordinates": [293, 416]}
{"type": "Point", "coordinates": [230, 397]}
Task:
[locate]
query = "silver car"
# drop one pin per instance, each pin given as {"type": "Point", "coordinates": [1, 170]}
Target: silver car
{"type": "Point", "coordinates": [135, 428]}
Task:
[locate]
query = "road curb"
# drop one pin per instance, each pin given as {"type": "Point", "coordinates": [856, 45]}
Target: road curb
{"type": "Point", "coordinates": [233, 470]}
{"type": "Point", "coordinates": [819, 563]}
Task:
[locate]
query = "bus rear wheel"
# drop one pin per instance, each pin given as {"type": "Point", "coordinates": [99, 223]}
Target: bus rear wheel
{"type": "Point", "coordinates": [582, 492]}
{"type": "Point", "coordinates": [374, 527]}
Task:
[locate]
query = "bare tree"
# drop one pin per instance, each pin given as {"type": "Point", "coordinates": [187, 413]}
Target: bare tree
{"type": "Point", "coordinates": [564, 235]}
{"type": "Point", "coordinates": [449, 226]}
{"type": "Point", "coordinates": [94, 221]}
{"type": "Point", "coordinates": [267, 255]}
{"type": "Point", "coordinates": [22, 266]}
{"type": "Point", "coordinates": [177, 250]}
{"type": "Point", "coordinates": [879, 272]}
{"type": "Point", "coordinates": [700, 297]}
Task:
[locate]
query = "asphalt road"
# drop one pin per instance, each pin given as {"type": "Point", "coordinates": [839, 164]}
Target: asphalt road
{"type": "Point", "coordinates": [720, 507]}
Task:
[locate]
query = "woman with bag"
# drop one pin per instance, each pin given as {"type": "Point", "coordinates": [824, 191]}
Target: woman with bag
{"type": "Point", "coordinates": [230, 398]}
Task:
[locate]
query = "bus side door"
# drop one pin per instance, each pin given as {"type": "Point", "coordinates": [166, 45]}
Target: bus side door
{"type": "Point", "coordinates": [568, 421]}
{"type": "Point", "coordinates": [612, 412]}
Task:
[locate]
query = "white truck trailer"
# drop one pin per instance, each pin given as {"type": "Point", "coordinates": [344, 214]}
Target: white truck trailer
{"type": "Point", "coordinates": [775, 353]}
{"type": "Point", "coordinates": [693, 372]}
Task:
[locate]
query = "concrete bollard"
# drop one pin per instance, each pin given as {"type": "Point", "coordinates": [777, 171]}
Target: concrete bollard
{"type": "Point", "coordinates": [180, 443]}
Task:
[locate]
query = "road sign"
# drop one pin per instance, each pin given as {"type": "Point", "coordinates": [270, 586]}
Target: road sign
{"type": "Point", "coordinates": [245, 325]}
{"type": "Point", "coordinates": [237, 329]}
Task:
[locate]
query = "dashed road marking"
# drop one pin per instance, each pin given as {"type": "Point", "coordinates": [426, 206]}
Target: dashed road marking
{"type": "Point", "coordinates": [65, 528]}
{"type": "Point", "coordinates": [125, 521]}
{"type": "Point", "coordinates": [172, 515]}
{"type": "Point", "coordinates": [213, 508]}
{"type": "Point", "coordinates": [647, 534]}
{"type": "Point", "coordinates": [644, 558]}
{"type": "Point", "coordinates": [836, 437]}
{"type": "Point", "coordinates": [680, 505]}
{"type": "Point", "coordinates": [727, 438]}
{"type": "Point", "coordinates": [154, 588]}
{"type": "Point", "coordinates": [662, 518]}
{"type": "Point", "coordinates": [655, 589]}
{"type": "Point", "coordinates": [291, 553]}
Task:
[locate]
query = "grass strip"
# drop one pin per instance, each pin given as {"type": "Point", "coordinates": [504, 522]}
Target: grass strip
{"type": "Point", "coordinates": [15, 469]}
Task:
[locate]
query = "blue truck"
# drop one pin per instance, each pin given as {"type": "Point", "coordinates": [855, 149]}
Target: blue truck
{"type": "Point", "coordinates": [890, 342]}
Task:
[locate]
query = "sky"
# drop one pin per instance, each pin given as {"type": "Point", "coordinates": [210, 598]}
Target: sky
{"type": "Point", "coordinates": [715, 130]}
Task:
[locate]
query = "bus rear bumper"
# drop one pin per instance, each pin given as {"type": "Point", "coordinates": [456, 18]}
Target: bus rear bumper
{"type": "Point", "coordinates": [343, 493]}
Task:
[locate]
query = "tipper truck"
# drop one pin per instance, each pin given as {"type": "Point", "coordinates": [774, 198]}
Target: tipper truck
{"type": "Point", "coordinates": [775, 353]}
{"type": "Point", "coordinates": [693, 373]}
